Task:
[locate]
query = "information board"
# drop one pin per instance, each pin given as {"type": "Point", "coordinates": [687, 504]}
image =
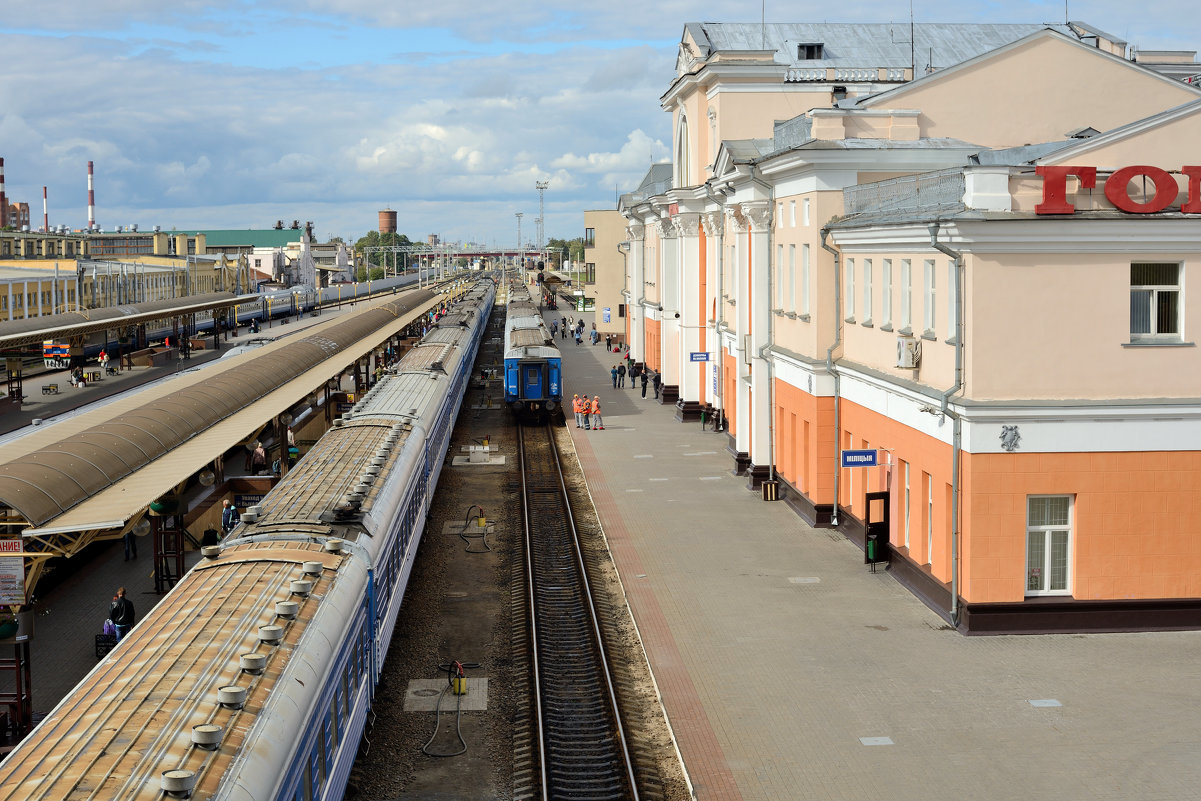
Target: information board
{"type": "Point", "coordinates": [12, 572]}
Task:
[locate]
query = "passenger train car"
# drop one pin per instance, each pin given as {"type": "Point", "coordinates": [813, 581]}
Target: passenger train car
{"type": "Point", "coordinates": [533, 365]}
{"type": "Point", "coordinates": [252, 679]}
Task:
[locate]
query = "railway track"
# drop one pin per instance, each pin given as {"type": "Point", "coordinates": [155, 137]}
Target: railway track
{"type": "Point", "coordinates": [578, 747]}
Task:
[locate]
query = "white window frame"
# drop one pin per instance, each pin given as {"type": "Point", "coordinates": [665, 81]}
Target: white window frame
{"type": "Point", "coordinates": [848, 295]}
{"type": "Point", "coordinates": [929, 479]}
{"type": "Point", "coordinates": [792, 213]}
{"type": "Point", "coordinates": [906, 295]}
{"type": "Point", "coordinates": [805, 280]}
{"type": "Point", "coordinates": [929, 294]}
{"type": "Point", "coordinates": [886, 294]}
{"type": "Point", "coordinates": [907, 505]}
{"type": "Point", "coordinates": [805, 212]}
{"type": "Point", "coordinates": [790, 297]}
{"type": "Point", "coordinates": [780, 214]}
{"type": "Point", "coordinates": [779, 273]}
{"type": "Point", "coordinates": [1154, 294]}
{"type": "Point", "coordinates": [867, 292]}
{"type": "Point", "coordinates": [1045, 532]}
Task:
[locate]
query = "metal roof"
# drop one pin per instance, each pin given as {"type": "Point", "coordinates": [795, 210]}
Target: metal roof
{"type": "Point", "coordinates": [97, 470]}
{"type": "Point", "coordinates": [251, 237]}
{"type": "Point", "coordinates": [35, 330]}
{"type": "Point", "coordinates": [935, 44]}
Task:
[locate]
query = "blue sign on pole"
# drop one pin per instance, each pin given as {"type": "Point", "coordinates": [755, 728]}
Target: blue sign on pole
{"type": "Point", "coordinates": [699, 357]}
{"type": "Point", "coordinates": [860, 458]}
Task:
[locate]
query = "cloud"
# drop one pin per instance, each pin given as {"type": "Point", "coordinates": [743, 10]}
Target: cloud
{"type": "Point", "coordinates": [222, 113]}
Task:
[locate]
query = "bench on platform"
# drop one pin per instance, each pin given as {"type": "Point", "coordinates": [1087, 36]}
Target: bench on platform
{"type": "Point", "coordinates": [50, 389]}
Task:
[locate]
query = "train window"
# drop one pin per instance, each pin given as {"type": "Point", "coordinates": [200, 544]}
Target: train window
{"type": "Point", "coordinates": [345, 695]}
{"type": "Point", "coordinates": [308, 782]}
{"type": "Point", "coordinates": [322, 744]}
{"type": "Point", "coordinates": [333, 720]}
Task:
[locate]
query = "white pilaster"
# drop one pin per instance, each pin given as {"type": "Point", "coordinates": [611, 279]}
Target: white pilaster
{"type": "Point", "coordinates": [714, 224]}
{"type": "Point", "coordinates": [742, 313]}
{"type": "Point", "coordinates": [634, 309]}
{"type": "Point", "coordinates": [759, 215]}
{"type": "Point", "coordinates": [669, 301]}
{"type": "Point", "coordinates": [688, 227]}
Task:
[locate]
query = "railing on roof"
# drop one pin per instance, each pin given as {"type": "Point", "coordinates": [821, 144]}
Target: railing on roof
{"type": "Point", "coordinates": [928, 191]}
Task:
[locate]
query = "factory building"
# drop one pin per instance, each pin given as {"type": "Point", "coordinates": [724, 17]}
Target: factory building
{"type": "Point", "coordinates": [941, 310]}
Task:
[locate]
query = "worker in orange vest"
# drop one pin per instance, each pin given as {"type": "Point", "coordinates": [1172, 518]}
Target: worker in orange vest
{"type": "Point", "coordinates": [578, 409]}
{"type": "Point", "coordinates": [596, 415]}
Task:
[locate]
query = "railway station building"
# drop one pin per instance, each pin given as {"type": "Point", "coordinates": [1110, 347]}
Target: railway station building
{"type": "Point", "coordinates": [981, 287]}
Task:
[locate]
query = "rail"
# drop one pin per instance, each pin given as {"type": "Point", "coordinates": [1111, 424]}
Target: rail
{"type": "Point", "coordinates": [581, 744]}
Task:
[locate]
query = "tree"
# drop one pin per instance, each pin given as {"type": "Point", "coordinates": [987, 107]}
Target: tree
{"type": "Point", "coordinates": [572, 248]}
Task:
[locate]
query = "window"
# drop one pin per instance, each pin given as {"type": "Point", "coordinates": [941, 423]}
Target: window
{"type": "Point", "coordinates": [778, 273]}
{"type": "Point", "coordinates": [906, 296]}
{"type": "Point", "coordinates": [886, 294]}
{"type": "Point", "coordinates": [866, 312]}
{"type": "Point", "coordinates": [848, 301]}
{"type": "Point", "coordinates": [1154, 301]}
{"type": "Point", "coordinates": [905, 500]}
{"type": "Point", "coordinates": [928, 291]}
{"type": "Point", "coordinates": [809, 51]}
{"type": "Point", "coordinates": [780, 214]}
{"type": "Point", "coordinates": [952, 293]}
{"type": "Point", "coordinates": [589, 237]}
{"type": "Point", "coordinates": [790, 298]}
{"type": "Point", "coordinates": [929, 485]}
{"type": "Point", "coordinates": [805, 280]}
{"type": "Point", "coordinates": [805, 212]}
{"type": "Point", "coordinates": [1048, 544]}
{"type": "Point", "coordinates": [792, 213]}
{"type": "Point", "coordinates": [683, 168]}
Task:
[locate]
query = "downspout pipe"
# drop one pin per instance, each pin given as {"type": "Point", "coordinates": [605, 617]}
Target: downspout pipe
{"type": "Point", "coordinates": [956, 422]}
{"type": "Point", "coordinates": [832, 369]}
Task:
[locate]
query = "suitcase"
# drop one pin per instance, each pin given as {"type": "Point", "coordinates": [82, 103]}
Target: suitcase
{"type": "Point", "coordinates": [104, 644]}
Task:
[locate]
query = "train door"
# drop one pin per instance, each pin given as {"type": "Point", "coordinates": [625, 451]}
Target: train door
{"type": "Point", "coordinates": [555, 388]}
{"type": "Point", "coordinates": [533, 384]}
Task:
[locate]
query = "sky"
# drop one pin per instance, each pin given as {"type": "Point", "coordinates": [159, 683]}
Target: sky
{"type": "Point", "coordinates": [235, 114]}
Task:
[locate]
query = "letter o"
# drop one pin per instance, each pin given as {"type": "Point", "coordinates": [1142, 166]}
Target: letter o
{"type": "Point", "coordinates": [1165, 189]}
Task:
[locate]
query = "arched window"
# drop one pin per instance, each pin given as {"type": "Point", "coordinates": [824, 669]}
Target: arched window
{"type": "Point", "coordinates": [683, 171]}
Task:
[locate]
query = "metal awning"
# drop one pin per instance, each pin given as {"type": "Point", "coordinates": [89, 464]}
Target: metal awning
{"type": "Point", "coordinates": [36, 330]}
{"type": "Point", "coordinates": [178, 405]}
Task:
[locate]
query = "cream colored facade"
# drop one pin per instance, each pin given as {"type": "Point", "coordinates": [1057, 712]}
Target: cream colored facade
{"type": "Point", "coordinates": [604, 251]}
{"type": "Point", "coordinates": [870, 273]}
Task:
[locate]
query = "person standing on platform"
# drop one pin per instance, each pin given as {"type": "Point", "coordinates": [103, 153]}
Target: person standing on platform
{"type": "Point", "coordinates": [597, 422]}
{"type": "Point", "coordinates": [131, 545]}
{"type": "Point", "coordinates": [121, 612]}
{"type": "Point", "coordinates": [613, 373]}
{"type": "Point", "coordinates": [645, 380]}
{"type": "Point", "coordinates": [621, 374]}
{"type": "Point", "coordinates": [658, 384]}
{"type": "Point", "coordinates": [575, 409]}
{"type": "Point", "coordinates": [229, 517]}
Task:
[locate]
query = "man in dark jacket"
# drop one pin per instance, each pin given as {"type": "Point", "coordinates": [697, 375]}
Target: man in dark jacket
{"type": "Point", "coordinates": [642, 375]}
{"type": "Point", "coordinates": [121, 612]}
{"type": "Point", "coordinates": [229, 516]}
{"type": "Point", "coordinates": [658, 384]}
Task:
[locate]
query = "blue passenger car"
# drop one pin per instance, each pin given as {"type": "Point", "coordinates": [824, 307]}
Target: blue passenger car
{"type": "Point", "coordinates": [533, 365]}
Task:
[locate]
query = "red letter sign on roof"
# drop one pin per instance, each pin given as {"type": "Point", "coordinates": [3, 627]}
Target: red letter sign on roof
{"type": "Point", "coordinates": [1055, 186]}
{"type": "Point", "coordinates": [1165, 189]}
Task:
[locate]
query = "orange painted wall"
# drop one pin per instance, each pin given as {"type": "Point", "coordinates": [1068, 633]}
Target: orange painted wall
{"type": "Point", "coordinates": [869, 429]}
{"type": "Point", "coordinates": [805, 460]}
{"type": "Point", "coordinates": [654, 339]}
{"type": "Point", "coordinates": [1132, 529]}
{"type": "Point", "coordinates": [729, 373]}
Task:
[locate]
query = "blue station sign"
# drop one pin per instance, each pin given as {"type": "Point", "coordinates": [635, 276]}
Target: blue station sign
{"type": "Point", "coordinates": [698, 357]}
{"type": "Point", "coordinates": [869, 458]}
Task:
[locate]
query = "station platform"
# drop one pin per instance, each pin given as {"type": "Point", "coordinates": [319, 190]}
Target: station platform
{"type": "Point", "coordinates": [788, 670]}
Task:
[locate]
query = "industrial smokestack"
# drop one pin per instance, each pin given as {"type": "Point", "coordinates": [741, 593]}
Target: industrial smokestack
{"type": "Point", "coordinates": [3, 197]}
{"type": "Point", "coordinates": [45, 212]}
{"type": "Point", "coordinates": [91, 200]}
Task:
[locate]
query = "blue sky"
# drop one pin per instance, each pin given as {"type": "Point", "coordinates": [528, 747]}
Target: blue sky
{"type": "Point", "coordinates": [235, 114]}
